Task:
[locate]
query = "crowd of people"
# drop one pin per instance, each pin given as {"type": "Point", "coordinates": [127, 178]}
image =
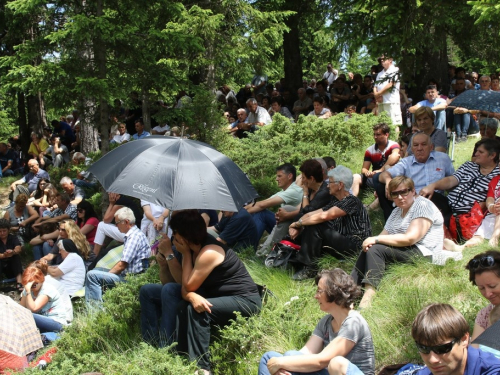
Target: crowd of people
{"type": "Point", "coordinates": [426, 204]}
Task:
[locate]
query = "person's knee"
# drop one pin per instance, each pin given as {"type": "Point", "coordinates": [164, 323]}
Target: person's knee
{"type": "Point", "coordinates": [338, 366]}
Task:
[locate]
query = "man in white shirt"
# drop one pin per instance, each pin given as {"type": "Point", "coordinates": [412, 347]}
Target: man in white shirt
{"type": "Point", "coordinates": [330, 74]}
{"type": "Point", "coordinates": [257, 116]}
{"type": "Point", "coordinates": [386, 90]}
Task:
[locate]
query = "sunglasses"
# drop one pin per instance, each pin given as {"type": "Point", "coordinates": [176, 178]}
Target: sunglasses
{"type": "Point", "coordinates": [397, 193]}
{"type": "Point", "coordinates": [486, 261]}
{"type": "Point", "coordinates": [437, 349]}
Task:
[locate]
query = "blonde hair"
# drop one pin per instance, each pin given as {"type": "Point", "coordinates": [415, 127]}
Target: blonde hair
{"type": "Point", "coordinates": [75, 235]}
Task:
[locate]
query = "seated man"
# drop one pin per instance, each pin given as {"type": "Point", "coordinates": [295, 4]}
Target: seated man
{"type": "Point", "coordinates": [257, 116]}
{"type": "Point", "coordinates": [290, 195]}
{"type": "Point", "coordinates": [76, 194]}
{"type": "Point", "coordinates": [83, 179]}
{"type": "Point", "coordinates": [32, 179]}
{"type": "Point", "coordinates": [303, 104]}
{"type": "Point", "coordinates": [434, 102]}
{"type": "Point", "coordinates": [160, 130]}
{"type": "Point", "coordinates": [380, 156]}
{"type": "Point", "coordinates": [58, 152]}
{"type": "Point", "coordinates": [8, 161]}
{"type": "Point", "coordinates": [136, 252]}
{"type": "Point", "coordinates": [424, 167]}
{"type": "Point", "coordinates": [237, 127]}
{"type": "Point", "coordinates": [140, 132]}
{"type": "Point", "coordinates": [122, 137]}
{"type": "Point", "coordinates": [441, 334]}
{"type": "Point", "coordinates": [237, 230]}
{"type": "Point", "coordinates": [424, 118]}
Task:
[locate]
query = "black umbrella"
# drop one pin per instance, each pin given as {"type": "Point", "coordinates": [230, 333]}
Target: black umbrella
{"type": "Point", "coordinates": [174, 173]}
{"type": "Point", "coordinates": [490, 337]}
{"type": "Point", "coordinates": [482, 100]}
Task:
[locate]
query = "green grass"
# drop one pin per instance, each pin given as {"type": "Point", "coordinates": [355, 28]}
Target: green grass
{"type": "Point", "coordinates": [109, 342]}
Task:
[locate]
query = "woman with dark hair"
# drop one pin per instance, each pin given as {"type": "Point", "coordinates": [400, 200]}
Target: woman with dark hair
{"type": "Point", "coordinates": [87, 220]}
{"type": "Point", "coordinates": [36, 197]}
{"type": "Point", "coordinates": [277, 107]}
{"type": "Point", "coordinates": [319, 108]}
{"type": "Point", "coordinates": [10, 248]}
{"type": "Point", "coordinates": [340, 343]}
{"type": "Point", "coordinates": [211, 285]}
{"type": "Point", "coordinates": [484, 272]}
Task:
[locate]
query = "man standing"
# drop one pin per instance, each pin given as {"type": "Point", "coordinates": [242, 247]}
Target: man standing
{"type": "Point", "coordinates": [437, 104]}
{"type": "Point", "coordinates": [441, 334]}
{"type": "Point", "coordinates": [424, 167]}
{"type": "Point", "coordinates": [386, 90]}
{"type": "Point", "coordinates": [330, 74]}
{"type": "Point", "coordinates": [136, 252]}
{"type": "Point", "coordinates": [140, 132]}
{"type": "Point", "coordinates": [291, 194]}
{"type": "Point", "coordinates": [32, 178]}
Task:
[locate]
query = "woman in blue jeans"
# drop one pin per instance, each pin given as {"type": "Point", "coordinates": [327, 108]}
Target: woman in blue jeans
{"type": "Point", "coordinates": [341, 343]}
{"type": "Point", "coordinates": [211, 283]}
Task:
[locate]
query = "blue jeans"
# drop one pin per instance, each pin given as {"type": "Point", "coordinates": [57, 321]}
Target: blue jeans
{"type": "Point", "coordinates": [440, 121]}
{"type": "Point", "coordinates": [158, 312]}
{"type": "Point", "coordinates": [263, 370]}
{"type": "Point", "coordinates": [94, 282]}
{"type": "Point", "coordinates": [264, 221]}
{"type": "Point", "coordinates": [461, 124]}
{"type": "Point", "coordinates": [473, 127]}
{"type": "Point", "coordinates": [45, 324]}
{"type": "Point", "coordinates": [39, 251]}
{"type": "Point", "coordinates": [84, 184]}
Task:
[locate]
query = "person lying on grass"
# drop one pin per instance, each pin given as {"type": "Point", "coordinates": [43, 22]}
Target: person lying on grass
{"type": "Point", "coordinates": [340, 344]}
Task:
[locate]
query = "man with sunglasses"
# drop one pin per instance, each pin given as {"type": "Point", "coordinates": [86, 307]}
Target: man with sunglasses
{"type": "Point", "coordinates": [441, 334]}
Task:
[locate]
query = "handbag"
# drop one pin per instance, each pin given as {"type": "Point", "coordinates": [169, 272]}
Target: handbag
{"type": "Point", "coordinates": [463, 226]}
{"type": "Point", "coordinates": [281, 254]}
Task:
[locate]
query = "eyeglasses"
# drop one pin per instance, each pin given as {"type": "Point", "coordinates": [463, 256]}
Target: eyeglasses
{"type": "Point", "coordinates": [486, 261]}
{"type": "Point", "coordinates": [437, 349]}
{"type": "Point", "coordinates": [397, 193]}
{"type": "Point", "coordinates": [333, 182]}
{"type": "Point", "coordinates": [119, 222]}
{"type": "Point", "coordinates": [320, 291]}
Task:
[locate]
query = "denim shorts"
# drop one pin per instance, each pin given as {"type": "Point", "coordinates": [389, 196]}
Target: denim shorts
{"type": "Point", "coordinates": [352, 369]}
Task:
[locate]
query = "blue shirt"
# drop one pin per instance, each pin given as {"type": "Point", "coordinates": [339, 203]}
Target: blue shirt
{"type": "Point", "coordinates": [32, 179]}
{"type": "Point", "coordinates": [478, 363]}
{"type": "Point", "coordinates": [135, 249]}
{"type": "Point", "coordinates": [437, 166]}
{"type": "Point", "coordinates": [239, 231]}
{"type": "Point", "coordinates": [144, 134]}
{"type": "Point", "coordinates": [69, 135]}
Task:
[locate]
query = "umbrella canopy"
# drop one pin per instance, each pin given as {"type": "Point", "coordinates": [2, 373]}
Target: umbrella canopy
{"type": "Point", "coordinates": [174, 173]}
{"type": "Point", "coordinates": [18, 332]}
{"type": "Point", "coordinates": [490, 337]}
{"type": "Point", "coordinates": [482, 100]}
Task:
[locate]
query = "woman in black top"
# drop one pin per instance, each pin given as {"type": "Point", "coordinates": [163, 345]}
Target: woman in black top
{"type": "Point", "coordinates": [214, 284]}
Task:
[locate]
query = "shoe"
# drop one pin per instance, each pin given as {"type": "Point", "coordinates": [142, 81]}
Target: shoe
{"type": "Point", "coordinates": [262, 252]}
{"type": "Point", "coordinates": [304, 274]}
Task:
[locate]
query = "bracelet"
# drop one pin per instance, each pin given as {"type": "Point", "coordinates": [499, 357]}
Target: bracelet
{"type": "Point", "coordinates": [376, 240]}
{"type": "Point", "coordinates": [305, 196]}
{"type": "Point", "coordinates": [300, 223]}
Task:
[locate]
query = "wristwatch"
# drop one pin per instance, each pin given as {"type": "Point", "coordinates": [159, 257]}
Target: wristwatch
{"type": "Point", "coordinates": [170, 257]}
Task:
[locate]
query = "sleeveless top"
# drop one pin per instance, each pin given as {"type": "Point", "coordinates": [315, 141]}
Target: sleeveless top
{"type": "Point", "coordinates": [230, 278]}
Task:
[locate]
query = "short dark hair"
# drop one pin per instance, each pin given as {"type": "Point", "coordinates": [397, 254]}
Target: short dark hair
{"type": "Point", "coordinates": [312, 168]}
{"type": "Point", "coordinates": [55, 123]}
{"type": "Point", "coordinates": [288, 168]}
{"type": "Point", "coordinates": [438, 322]}
{"type": "Point", "coordinates": [190, 225]}
{"type": "Point", "coordinates": [64, 197]}
{"type": "Point", "coordinates": [318, 99]}
{"type": "Point", "coordinates": [140, 121]}
{"type": "Point", "coordinates": [480, 267]}
{"type": "Point", "coordinates": [382, 126]}
{"type": "Point", "coordinates": [330, 162]}
{"type": "Point", "coordinates": [340, 287]}
{"type": "Point", "coordinates": [431, 87]}
{"type": "Point", "coordinates": [404, 138]}
{"type": "Point", "coordinates": [369, 76]}
{"type": "Point", "coordinates": [4, 224]}
{"type": "Point", "coordinates": [459, 69]}
{"type": "Point", "coordinates": [277, 99]}
{"type": "Point", "coordinates": [490, 145]}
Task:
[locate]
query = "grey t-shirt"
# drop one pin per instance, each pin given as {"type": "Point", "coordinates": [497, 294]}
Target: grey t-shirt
{"type": "Point", "coordinates": [353, 328]}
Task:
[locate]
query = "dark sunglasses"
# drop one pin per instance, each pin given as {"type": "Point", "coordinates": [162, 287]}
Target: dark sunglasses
{"type": "Point", "coordinates": [403, 193]}
{"type": "Point", "coordinates": [486, 261]}
{"type": "Point", "coordinates": [437, 349]}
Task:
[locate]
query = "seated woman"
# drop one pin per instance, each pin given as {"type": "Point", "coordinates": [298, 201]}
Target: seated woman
{"type": "Point", "coordinates": [341, 343]}
{"type": "Point", "coordinates": [71, 272]}
{"type": "Point", "coordinates": [10, 248]}
{"type": "Point", "coordinates": [36, 197]}
{"type": "Point", "coordinates": [154, 221]}
{"type": "Point", "coordinates": [212, 284]}
{"type": "Point", "coordinates": [48, 201]}
{"type": "Point", "coordinates": [49, 309]}
{"type": "Point", "coordinates": [415, 228]}
{"type": "Point", "coordinates": [277, 107]}
{"type": "Point", "coordinates": [21, 216]}
{"type": "Point", "coordinates": [484, 272]}
{"type": "Point", "coordinates": [319, 108]}
{"type": "Point", "coordinates": [340, 227]}
{"type": "Point", "coordinates": [87, 221]}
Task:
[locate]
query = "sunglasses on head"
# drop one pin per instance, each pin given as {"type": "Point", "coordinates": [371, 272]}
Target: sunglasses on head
{"type": "Point", "coordinates": [486, 261]}
{"type": "Point", "coordinates": [437, 349]}
{"type": "Point", "coordinates": [397, 193]}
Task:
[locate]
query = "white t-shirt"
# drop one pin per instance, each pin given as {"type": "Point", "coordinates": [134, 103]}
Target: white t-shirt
{"type": "Point", "coordinates": [121, 138]}
{"type": "Point", "coordinates": [391, 95]}
{"type": "Point", "coordinates": [161, 129]}
{"type": "Point", "coordinates": [73, 269]}
{"type": "Point", "coordinates": [64, 295]}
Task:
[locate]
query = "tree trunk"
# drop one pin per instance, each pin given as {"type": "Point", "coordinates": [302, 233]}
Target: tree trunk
{"type": "Point", "coordinates": [146, 115]}
{"type": "Point", "coordinates": [24, 130]}
{"type": "Point", "coordinates": [291, 54]}
{"type": "Point", "coordinates": [36, 113]}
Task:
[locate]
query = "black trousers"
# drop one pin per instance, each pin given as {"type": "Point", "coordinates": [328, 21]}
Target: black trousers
{"type": "Point", "coordinates": [193, 328]}
{"type": "Point", "coordinates": [316, 237]}
{"type": "Point", "coordinates": [371, 265]}
{"type": "Point", "coordinates": [11, 267]}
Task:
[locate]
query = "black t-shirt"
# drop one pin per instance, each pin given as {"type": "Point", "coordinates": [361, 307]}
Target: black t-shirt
{"type": "Point", "coordinates": [133, 205]}
{"type": "Point", "coordinates": [230, 278]}
{"type": "Point", "coordinates": [239, 230]}
{"type": "Point", "coordinates": [212, 214]}
{"type": "Point", "coordinates": [12, 242]}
